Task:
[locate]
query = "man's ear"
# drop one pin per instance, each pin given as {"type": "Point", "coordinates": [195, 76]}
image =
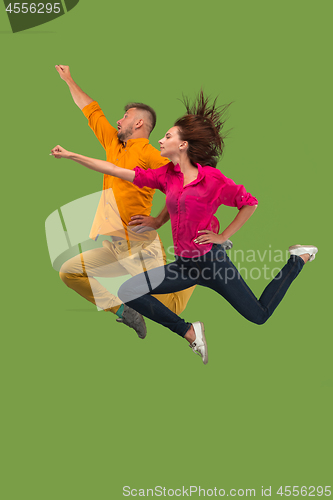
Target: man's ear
{"type": "Point", "coordinates": [138, 124]}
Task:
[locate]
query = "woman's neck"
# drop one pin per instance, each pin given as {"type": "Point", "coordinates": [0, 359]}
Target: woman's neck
{"type": "Point", "coordinates": [185, 165]}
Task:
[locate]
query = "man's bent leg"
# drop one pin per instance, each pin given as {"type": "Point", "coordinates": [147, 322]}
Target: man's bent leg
{"type": "Point", "coordinates": [153, 255]}
{"type": "Point", "coordinates": [176, 301]}
{"type": "Point", "coordinates": [165, 280]}
{"type": "Point", "coordinates": [78, 274]}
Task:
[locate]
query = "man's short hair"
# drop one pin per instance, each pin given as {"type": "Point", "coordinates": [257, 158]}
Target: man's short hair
{"type": "Point", "coordinates": [151, 113]}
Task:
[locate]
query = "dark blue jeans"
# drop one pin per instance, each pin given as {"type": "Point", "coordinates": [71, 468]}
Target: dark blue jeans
{"type": "Point", "coordinates": [213, 270]}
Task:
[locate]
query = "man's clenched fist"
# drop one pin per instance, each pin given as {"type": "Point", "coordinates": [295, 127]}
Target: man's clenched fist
{"type": "Point", "coordinates": [63, 72]}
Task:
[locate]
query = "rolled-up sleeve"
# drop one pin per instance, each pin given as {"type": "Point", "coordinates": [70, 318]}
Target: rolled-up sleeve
{"type": "Point", "coordinates": [155, 179]}
{"type": "Point", "coordinates": [103, 130]}
{"type": "Point", "coordinates": [234, 195]}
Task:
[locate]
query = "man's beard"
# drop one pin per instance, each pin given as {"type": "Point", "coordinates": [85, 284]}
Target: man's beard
{"type": "Point", "coordinates": [124, 134]}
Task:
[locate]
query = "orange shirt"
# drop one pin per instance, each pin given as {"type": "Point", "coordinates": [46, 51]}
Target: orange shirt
{"type": "Point", "coordinates": [121, 199]}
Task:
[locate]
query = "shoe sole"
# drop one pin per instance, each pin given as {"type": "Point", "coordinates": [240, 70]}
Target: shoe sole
{"type": "Point", "coordinates": [204, 358]}
{"type": "Point", "coordinates": [140, 335]}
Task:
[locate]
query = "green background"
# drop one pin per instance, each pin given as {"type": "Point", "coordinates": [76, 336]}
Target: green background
{"type": "Point", "coordinates": [88, 408]}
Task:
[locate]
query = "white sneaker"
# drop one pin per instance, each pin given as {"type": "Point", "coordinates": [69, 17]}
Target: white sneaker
{"type": "Point", "coordinates": [302, 249]}
{"type": "Point", "coordinates": [199, 345]}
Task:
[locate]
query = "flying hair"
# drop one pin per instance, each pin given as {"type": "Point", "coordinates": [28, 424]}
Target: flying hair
{"type": "Point", "coordinates": [202, 128]}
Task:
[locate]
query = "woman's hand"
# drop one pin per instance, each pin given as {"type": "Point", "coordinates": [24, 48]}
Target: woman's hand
{"type": "Point", "coordinates": [59, 152]}
{"type": "Point", "coordinates": [209, 237]}
{"type": "Point", "coordinates": [102, 166]}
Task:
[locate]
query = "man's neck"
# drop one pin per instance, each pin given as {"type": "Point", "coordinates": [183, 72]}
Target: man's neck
{"type": "Point", "coordinates": [138, 134]}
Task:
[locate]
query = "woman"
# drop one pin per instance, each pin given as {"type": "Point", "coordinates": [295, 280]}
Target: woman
{"type": "Point", "coordinates": [194, 190]}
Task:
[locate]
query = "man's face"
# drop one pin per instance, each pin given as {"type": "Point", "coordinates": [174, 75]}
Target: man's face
{"type": "Point", "coordinates": [126, 125]}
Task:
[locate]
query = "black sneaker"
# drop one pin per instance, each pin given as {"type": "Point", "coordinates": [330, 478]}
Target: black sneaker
{"type": "Point", "coordinates": [134, 320]}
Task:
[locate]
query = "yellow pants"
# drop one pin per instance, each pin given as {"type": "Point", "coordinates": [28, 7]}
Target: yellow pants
{"type": "Point", "coordinates": [116, 259]}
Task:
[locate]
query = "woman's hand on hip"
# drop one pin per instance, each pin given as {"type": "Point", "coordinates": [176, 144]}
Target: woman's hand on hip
{"type": "Point", "coordinates": [209, 237]}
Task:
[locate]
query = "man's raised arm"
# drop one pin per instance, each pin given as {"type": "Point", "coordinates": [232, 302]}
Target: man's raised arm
{"type": "Point", "coordinates": [81, 99]}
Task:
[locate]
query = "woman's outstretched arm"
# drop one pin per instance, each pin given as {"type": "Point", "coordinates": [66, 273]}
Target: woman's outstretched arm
{"type": "Point", "coordinates": [102, 166]}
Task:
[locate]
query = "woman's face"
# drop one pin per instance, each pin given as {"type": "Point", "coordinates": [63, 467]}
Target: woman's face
{"type": "Point", "coordinates": [171, 144]}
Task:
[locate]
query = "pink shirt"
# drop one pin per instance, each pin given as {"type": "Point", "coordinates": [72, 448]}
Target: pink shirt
{"type": "Point", "coordinates": [192, 207]}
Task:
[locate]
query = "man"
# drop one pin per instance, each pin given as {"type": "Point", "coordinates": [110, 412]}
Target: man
{"type": "Point", "coordinates": [132, 250]}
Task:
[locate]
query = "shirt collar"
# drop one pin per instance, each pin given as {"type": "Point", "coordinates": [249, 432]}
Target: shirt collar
{"type": "Point", "coordinates": [132, 141]}
{"type": "Point", "coordinates": [176, 167]}
{"type": "Point", "coordinates": [201, 172]}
